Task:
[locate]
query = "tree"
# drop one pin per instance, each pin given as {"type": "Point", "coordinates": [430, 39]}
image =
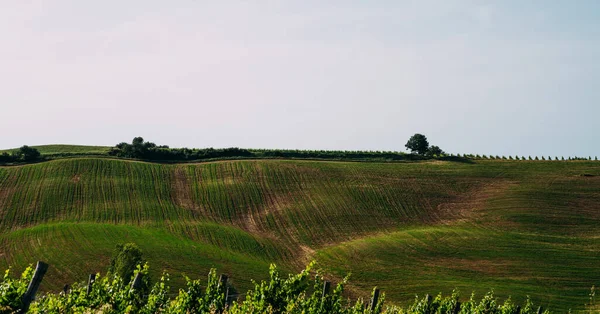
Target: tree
{"type": "Point", "coordinates": [5, 157]}
{"type": "Point", "coordinates": [137, 141]}
{"type": "Point", "coordinates": [125, 259]}
{"type": "Point", "coordinates": [418, 144]}
{"type": "Point", "coordinates": [27, 153]}
{"type": "Point", "coordinates": [434, 151]}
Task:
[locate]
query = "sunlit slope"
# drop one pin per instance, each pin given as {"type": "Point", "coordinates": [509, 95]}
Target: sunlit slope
{"type": "Point", "coordinates": [297, 202]}
{"type": "Point", "coordinates": [522, 228]}
{"type": "Point", "coordinates": [77, 249]}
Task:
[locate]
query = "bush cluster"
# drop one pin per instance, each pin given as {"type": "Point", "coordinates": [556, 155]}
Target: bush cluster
{"type": "Point", "coordinates": [23, 154]}
{"type": "Point", "coordinates": [141, 149]}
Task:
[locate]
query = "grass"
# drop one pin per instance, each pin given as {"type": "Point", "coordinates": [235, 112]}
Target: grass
{"type": "Point", "coordinates": [74, 250]}
{"type": "Point", "coordinates": [518, 227]}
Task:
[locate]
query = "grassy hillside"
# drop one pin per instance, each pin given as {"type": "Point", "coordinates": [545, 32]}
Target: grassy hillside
{"type": "Point", "coordinates": [519, 227]}
{"type": "Point", "coordinates": [61, 149]}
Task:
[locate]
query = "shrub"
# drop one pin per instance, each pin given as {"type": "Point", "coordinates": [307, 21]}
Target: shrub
{"type": "Point", "coordinates": [125, 260]}
{"type": "Point", "coordinates": [27, 153]}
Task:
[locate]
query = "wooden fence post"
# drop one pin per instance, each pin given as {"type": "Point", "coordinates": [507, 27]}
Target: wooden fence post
{"type": "Point", "coordinates": [91, 279]}
{"type": "Point", "coordinates": [137, 281]}
{"type": "Point", "coordinates": [374, 299]}
{"type": "Point", "coordinates": [326, 286]}
{"type": "Point", "coordinates": [34, 284]}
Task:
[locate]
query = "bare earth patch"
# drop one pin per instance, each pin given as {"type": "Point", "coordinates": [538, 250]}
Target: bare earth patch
{"type": "Point", "coordinates": [472, 204]}
{"type": "Point", "coordinates": [306, 255]}
{"type": "Point", "coordinates": [5, 196]}
{"type": "Point", "coordinates": [488, 267]}
{"type": "Point", "coordinates": [181, 192]}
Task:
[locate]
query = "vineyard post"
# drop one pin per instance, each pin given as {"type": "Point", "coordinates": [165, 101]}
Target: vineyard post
{"type": "Point", "coordinates": [456, 308]}
{"type": "Point", "coordinates": [137, 281]}
{"type": "Point", "coordinates": [326, 286]}
{"type": "Point", "coordinates": [540, 310]}
{"type": "Point", "coordinates": [91, 280]}
{"type": "Point", "coordinates": [374, 299]}
{"type": "Point", "coordinates": [34, 284]}
{"type": "Point", "coordinates": [223, 281]}
{"type": "Point", "coordinates": [66, 289]}
{"type": "Point", "coordinates": [428, 299]}
{"type": "Point", "coordinates": [518, 309]}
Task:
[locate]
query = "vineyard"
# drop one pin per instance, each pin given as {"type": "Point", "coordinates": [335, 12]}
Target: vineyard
{"type": "Point", "coordinates": [306, 292]}
{"type": "Point", "coordinates": [520, 228]}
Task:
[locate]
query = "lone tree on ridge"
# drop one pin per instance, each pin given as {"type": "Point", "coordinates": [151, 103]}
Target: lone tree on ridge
{"type": "Point", "coordinates": [418, 144]}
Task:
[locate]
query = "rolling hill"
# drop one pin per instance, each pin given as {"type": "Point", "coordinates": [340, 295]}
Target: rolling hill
{"type": "Point", "coordinates": [518, 227]}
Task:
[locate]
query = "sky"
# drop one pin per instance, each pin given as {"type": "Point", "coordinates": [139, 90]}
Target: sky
{"type": "Point", "coordinates": [483, 77]}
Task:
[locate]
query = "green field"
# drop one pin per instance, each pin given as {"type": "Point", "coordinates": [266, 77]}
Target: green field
{"type": "Point", "coordinates": [518, 227]}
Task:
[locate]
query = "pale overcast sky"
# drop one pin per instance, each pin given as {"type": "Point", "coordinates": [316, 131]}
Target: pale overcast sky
{"type": "Point", "coordinates": [488, 77]}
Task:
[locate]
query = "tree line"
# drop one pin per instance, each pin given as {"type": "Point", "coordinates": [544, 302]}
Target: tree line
{"type": "Point", "coordinates": [418, 145]}
{"type": "Point", "coordinates": [141, 149]}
